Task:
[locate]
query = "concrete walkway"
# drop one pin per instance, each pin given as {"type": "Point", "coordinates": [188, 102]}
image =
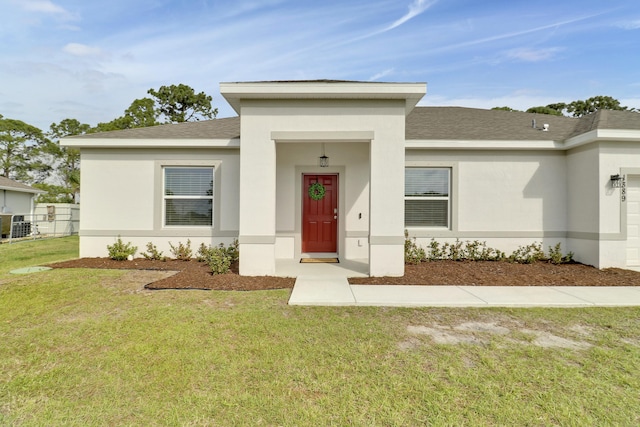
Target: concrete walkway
{"type": "Point", "coordinates": [336, 291]}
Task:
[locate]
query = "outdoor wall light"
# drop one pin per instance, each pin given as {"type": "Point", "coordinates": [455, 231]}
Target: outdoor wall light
{"type": "Point", "coordinates": [616, 181]}
{"type": "Point", "coordinates": [324, 160]}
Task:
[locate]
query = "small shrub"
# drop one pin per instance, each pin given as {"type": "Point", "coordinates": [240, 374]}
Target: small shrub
{"type": "Point", "coordinates": [233, 251]}
{"type": "Point", "coordinates": [121, 251]}
{"type": "Point", "coordinates": [219, 260]}
{"type": "Point", "coordinates": [453, 251]}
{"type": "Point", "coordinates": [556, 257]}
{"type": "Point", "coordinates": [153, 253]}
{"type": "Point", "coordinates": [527, 254]}
{"type": "Point", "coordinates": [413, 254]}
{"type": "Point", "coordinates": [220, 257]}
{"type": "Point", "coordinates": [181, 252]}
{"type": "Point", "coordinates": [204, 253]}
{"type": "Point", "coordinates": [435, 252]}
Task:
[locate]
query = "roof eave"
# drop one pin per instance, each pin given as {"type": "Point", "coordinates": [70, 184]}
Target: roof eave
{"type": "Point", "coordinates": [411, 93]}
{"type": "Point", "coordinates": [150, 143]}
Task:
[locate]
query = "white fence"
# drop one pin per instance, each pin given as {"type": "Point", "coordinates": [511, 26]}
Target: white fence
{"type": "Point", "coordinates": [47, 221]}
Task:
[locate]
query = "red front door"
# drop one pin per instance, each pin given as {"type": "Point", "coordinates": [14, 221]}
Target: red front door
{"type": "Point", "coordinates": [320, 217]}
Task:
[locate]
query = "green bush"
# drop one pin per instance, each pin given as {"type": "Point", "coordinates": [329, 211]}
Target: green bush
{"type": "Point", "coordinates": [219, 260]}
{"type": "Point", "coordinates": [121, 251]}
{"type": "Point", "coordinates": [233, 251]}
{"type": "Point", "coordinates": [528, 254]}
{"type": "Point", "coordinates": [556, 257]}
{"type": "Point", "coordinates": [153, 253]}
{"type": "Point", "coordinates": [479, 251]}
{"type": "Point", "coordinates": [435, 252]}
{"type": "Point", "coordinates": [413, 254]}
{"type": "Point", "coordinates": [204, 253]}
{"type": "Point", "coordinates": [181, 252]}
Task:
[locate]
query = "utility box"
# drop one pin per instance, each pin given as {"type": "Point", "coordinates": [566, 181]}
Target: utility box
{"type": "Point", "coordinates": [5, 225]}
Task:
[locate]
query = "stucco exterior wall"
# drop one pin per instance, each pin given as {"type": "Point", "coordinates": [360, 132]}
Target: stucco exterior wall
{"type": "Point", "coordinates": [506, 198]}
{"type": "Point", "coordinates": [268, 124]}
{"type": "Point", "coordinates": [350, 161]}
{"type": "Point", "coordinates": [121, 194]}
{"type": "Point", "coordinates": [615, 158]}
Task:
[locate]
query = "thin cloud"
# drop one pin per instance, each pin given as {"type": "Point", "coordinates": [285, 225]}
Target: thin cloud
{"type": "Point", "coordinates": [380, 75]}
{"type": "Point", "coordinates": [514, 34]}
{"type": "Point", "coordinates": [533, 55]}
{"type": "Point", "coordinates": [78, 49]}
{"type": "Point", "coordinates": [43, 6]}
{"type": "Point", "coordinates": [630, 25]}
{"type": "Point", "coordinates": [415, 9]}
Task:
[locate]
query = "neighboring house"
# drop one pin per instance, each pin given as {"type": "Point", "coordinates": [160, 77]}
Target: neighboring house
{"type": "Point", "coordinates": [16, 199]}
{"type": "Point", "coordinates": [507, 178]}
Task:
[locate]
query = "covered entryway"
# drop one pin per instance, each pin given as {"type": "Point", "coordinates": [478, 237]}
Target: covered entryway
{"type": "Point", "coordinates": [319, 213]}
{"type": "Point", "coordinates": [633, 221]}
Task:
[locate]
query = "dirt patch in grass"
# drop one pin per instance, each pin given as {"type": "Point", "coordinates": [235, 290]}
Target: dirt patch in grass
{"type": "Point", "coordinates": [197, 275]}
{"type": "Point", "coordinates": [480, 333]}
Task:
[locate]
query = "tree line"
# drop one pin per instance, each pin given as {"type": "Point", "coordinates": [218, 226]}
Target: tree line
{"type": "Point", "coordinates": [33, 156]}
{"type": "Point", "coordinates": [576, 108]}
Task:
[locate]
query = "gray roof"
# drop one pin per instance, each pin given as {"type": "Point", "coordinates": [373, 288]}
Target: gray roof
{"type": "Point", "coordinates": [608, 119]}
{"type": "Point", "coordinates": [423, 123]}
{"type": "Point", "coordinates": [9, 184]}
{"type": "Point", "coordinates": [459, 123]}
{"type": "Point", "coordinates": [228, 128]}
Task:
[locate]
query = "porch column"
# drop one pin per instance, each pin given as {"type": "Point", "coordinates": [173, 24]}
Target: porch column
{"type": "Point", "coordinates": [257, 204]}
{"type": "Point", "coordinates": [386, 228]}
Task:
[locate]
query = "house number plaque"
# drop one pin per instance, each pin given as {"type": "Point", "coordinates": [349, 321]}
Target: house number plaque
{"type": "Point", "coordinates": [623, 189]}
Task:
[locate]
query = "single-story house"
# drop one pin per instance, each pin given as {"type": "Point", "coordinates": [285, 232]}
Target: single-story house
{"type": "Point", "coordinates": [17, 199]}
{"type": "Point", "coordinates": [337, 168]}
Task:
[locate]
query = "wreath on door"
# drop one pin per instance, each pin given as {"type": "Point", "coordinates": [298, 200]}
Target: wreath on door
{"type": "Point", "coordinates": [316, 191]}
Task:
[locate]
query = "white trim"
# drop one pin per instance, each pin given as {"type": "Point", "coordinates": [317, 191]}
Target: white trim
{"type": "Point", "coordinates": [159, 165]}
{"type": "Point", "coordinates": [322, 136]}
{"type": "Point", "coordinates": [451, 144]}
{"type": "Point", "coordinates": [234, 93]}
{"type": "Point", "coordinates": [150, 143]}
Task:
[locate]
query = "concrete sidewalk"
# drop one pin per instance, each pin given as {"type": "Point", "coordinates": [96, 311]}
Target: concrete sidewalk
{"type": "Point", "coordinates": [336, 291]}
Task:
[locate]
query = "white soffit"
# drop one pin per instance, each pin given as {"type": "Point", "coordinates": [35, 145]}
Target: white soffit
{"type": "Point", "coordinates": [411, 93]}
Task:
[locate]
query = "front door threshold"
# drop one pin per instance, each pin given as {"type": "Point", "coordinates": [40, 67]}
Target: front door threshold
{"type": "Point", "coordinates": [319, 255]}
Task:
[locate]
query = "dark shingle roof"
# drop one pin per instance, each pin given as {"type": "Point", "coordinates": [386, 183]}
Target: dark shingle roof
{"type": "Point", "coordinates": [227, 128]}
{"type": "Point", "coordinates": [459, 123]}
{"type": "Point", "coordinates": [608, 119]}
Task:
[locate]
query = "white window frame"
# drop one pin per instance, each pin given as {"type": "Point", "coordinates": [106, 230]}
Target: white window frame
{"type": "Point", "coordinates": [165, 197]}
{"type": "Point", "coordinates": [448, 198]}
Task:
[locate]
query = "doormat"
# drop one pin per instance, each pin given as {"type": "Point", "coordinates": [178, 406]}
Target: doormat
{"type": "Point", "coordinates": [319, 260]}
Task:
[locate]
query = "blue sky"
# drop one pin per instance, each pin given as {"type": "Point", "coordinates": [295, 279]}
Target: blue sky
{"type": "Point", "coordinates": [90, 59]}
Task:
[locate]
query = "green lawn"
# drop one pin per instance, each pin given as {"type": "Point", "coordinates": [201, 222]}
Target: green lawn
{"type": "Point", "coordinates": [90, 347]}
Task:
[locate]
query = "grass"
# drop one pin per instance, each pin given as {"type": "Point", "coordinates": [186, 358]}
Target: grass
{"type": "Point", "coordinates": [89, 347]}
{"type": "Point", "coordinates": [29, 253]}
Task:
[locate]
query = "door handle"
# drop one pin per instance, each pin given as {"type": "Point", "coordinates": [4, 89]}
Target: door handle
{"type": "Point", "coordinates": [335, 217]}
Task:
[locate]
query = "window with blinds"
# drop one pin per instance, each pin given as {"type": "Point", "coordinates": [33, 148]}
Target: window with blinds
{"type": "Point", "coordinates": [188, 196]}
{"type": "Point", "coordinates": [427, 197]}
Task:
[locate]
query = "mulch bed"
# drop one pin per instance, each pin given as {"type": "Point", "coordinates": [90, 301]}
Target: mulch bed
{"type": "Point", "coordinates": [197, 275]}
{"type": "Point", "coordinates": [191, 274]}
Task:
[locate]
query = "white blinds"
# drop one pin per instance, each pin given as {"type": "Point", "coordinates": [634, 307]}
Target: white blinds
{"type": "Point", "coordinates": [188, 181]}
{"type": "Point", "coordinates": [188, 196]}
{"type": "Point", "coordinates": [426, 182]}
{"type": "Point", "coordinates": [427, 197]}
